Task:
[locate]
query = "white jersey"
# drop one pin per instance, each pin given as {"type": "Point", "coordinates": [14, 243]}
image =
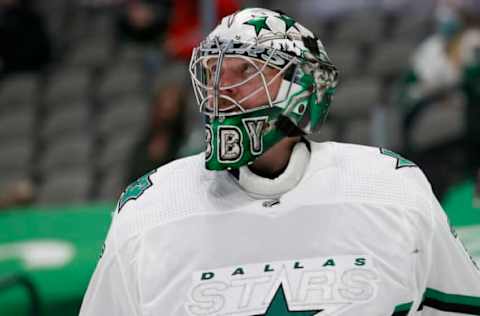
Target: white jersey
{"type": "Point", "coordinates": [360, 234]}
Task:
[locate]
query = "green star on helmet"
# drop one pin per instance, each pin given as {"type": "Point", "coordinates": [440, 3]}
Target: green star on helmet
{"type": "Point", "coordinates": [259, 23]}
{"type": "Point", "coordinates": [279, 307]}
{"type": "Point", "coordinates": [289, 22]}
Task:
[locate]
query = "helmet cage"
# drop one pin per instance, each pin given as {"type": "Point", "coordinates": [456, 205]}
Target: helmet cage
{"type": "Point", "coordinates": [236, 132]}
{"type": "Point", "coordinates": [208, 92]}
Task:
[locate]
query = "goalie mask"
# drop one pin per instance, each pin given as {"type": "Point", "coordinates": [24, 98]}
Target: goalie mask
{"type": "Point", "coordinates": [259, 77]}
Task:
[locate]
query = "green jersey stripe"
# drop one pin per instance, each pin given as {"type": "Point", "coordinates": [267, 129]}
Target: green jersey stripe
{"type": "Point", "coordinates": [402, 309]}
{"type": "Point", "coordinates": [451, 302]}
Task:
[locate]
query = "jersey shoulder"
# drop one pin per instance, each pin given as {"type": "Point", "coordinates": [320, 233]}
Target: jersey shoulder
{"type": "Point", "coordinates": [165, 181]}
{"type": "Point", "coordinates": [371, 173]}
{"type": "Point", "coordinates": [369, 157]}
{"type": "Point", "coordinates": [170, 192]}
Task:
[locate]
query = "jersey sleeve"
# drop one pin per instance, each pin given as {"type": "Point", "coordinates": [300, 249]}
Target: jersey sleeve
{"type": "Point", "coordinates": [453, 280]}
{"type": "Point", "coordinates": [113, 288]}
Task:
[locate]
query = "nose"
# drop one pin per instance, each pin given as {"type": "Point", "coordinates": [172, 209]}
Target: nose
{"type": "Point", "coordinates": [225, 97]}
{"type": "Point", "coordinates": [227, 80]}
{"type": "Point", "coordinates": [226, 91]}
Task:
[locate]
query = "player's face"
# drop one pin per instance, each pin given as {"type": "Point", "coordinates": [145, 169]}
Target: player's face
{"type": "Point", "coordinates": [245, 81]}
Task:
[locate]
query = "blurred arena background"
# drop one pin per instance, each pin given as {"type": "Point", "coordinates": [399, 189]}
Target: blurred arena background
{"type": "Point", "coordinates": [95, 93]}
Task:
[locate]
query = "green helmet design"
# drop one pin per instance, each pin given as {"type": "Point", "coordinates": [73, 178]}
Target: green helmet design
{"type": "Point", "coordinates": [261, 39]}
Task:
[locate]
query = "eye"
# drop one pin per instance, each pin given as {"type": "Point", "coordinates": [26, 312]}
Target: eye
{"type": "Point", "coordinates": [213, 68]}
{"type": "Point", "coordinates": [211, 71]}
{"type": "Point", "coordinates": [249, 69]}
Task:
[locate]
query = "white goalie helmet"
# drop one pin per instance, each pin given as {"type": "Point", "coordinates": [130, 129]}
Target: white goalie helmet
{"type": "Point", "coordinates": [260, 39]}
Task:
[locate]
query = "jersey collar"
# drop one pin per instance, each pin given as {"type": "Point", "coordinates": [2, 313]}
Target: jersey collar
{"type": "Point", "coordinates": [260, 187]}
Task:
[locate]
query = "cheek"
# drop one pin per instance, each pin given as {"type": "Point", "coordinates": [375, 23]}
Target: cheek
{"type": "Point", "coordinates": [275, 87]}
{"type": "Point", "coordinates": [260, 98]}
{"type": "Point", "coordinates": [249, 87]}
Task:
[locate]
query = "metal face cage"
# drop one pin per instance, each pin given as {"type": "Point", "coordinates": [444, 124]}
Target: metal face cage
{"type": "Point", "coordinates": [212, 90]}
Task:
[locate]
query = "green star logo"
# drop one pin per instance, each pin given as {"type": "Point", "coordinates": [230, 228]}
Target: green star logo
{"type": "Point", "coordinates": [289, 22]}
{"type": "Point", "coordinates": [279, 307]}
{"type": "Point", "coordinates": [401, 162]}
{"type": "Point", "coordinates": [259, 23]}
{"type": "Point", "coordinates": [135, 189]}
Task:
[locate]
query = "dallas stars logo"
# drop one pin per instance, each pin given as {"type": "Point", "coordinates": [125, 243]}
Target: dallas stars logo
{"type": "Point", "coordinates": [135, 190]}
{"type": "Point", "coordinates": [259, 23]}
{"type": "Point", "coordinates": [401, 162]}
{"type": "Point", "coordinates": [279, 307]}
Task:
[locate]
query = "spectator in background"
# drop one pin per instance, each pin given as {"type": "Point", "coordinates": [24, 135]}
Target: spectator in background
{"type": "Point", "coordinates": [144, 21]}
{"type": "Point", "coordinates": [444, 65]}
{"type": "Point", "coordinates": [25, 44]}
{"type": "Point", "coordinates": [165, 133]}
{"type": "Point", "coordinates": [185, 27]}
{"type": "Point", "coordinates": [16, 193]}
{"type": "Point", "coordinates": [313, 10]}
{"type": "Point", "coordinates": [471, 88]}
{"type": "Point", "coordinates": [171, 133]}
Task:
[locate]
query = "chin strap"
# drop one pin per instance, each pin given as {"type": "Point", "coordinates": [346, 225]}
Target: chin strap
{"type": "Point", "coordinates": [287, 127]}
{"type": "Point", "coordinates": [260, 187]}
